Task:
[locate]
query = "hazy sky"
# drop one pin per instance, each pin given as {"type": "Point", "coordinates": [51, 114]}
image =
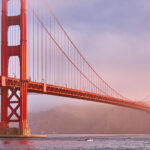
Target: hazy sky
{"type": "Point", "coordinates": [114, 36]}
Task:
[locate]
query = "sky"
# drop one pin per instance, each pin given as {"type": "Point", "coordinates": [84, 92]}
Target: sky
{"type": "Point", "coordinates": [114, 36]}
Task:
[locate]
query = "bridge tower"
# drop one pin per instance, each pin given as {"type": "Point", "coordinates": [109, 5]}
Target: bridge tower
{"type": "Point", "coordinates": [14, 110]}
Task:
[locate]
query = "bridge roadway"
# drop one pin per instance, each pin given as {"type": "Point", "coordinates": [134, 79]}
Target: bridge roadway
{"type": "Point", "coordinates": [41, 88]}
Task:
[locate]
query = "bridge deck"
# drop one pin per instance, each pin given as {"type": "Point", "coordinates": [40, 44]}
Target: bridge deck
{"type": "Point", "coordinates": [41, 88]}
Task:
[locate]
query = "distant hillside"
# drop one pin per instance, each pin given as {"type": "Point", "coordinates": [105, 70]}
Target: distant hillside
{"type": "Point", "coordinates": [93, 118]}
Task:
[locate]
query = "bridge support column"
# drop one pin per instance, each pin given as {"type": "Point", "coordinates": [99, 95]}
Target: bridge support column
{"type": "Point", "coordinates": [14, 99]}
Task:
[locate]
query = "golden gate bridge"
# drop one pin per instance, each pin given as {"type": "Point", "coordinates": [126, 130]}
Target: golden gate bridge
{"type": "Point", "coordinates": [38, 56]}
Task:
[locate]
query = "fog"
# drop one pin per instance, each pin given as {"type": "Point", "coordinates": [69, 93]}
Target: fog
{"type": "Point", "coordinates": [113, 38]}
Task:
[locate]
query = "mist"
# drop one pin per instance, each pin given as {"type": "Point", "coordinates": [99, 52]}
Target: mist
{"type": "Point", "coordinates": [114, 40]}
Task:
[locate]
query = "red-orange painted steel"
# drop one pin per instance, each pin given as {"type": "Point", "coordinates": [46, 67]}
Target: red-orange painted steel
{"type": "Point", "coordinates": [6, 53]}
{"type": "Point", "coordinates": [41, 88]}
{"type": "Point", "coordinates": [11, 86]}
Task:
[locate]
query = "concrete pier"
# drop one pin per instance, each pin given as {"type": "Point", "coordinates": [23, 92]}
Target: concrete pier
{"type": "Point", "coordinates": [18, 133]}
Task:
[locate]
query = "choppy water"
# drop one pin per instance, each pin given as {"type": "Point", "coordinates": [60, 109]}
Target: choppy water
{"type": "Point", "coordinates": [79, 142]}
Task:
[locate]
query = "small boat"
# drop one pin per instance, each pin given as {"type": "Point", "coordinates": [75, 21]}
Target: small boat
{"type": "Point", "coordinates": [89, 140]}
